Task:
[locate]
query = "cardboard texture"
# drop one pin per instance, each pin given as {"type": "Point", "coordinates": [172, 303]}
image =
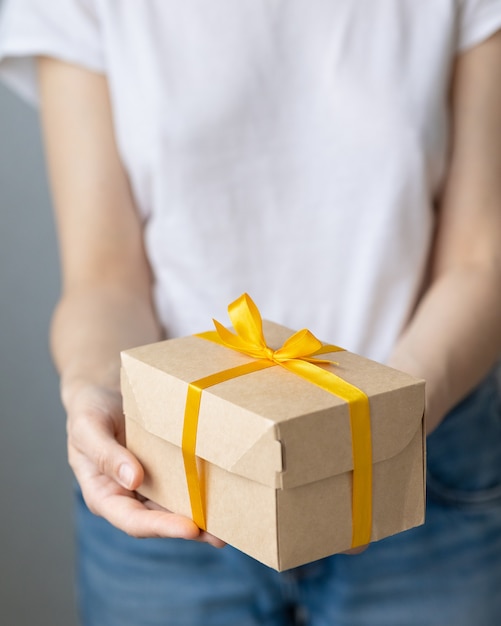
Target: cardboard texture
{"type": "Point", "coordinates": [274, 450]}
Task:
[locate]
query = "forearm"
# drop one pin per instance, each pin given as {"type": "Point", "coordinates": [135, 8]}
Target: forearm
{"type": "Point", "coordinates": [454, 337]}
{"type": "Point", "coordinates": [91, 325]}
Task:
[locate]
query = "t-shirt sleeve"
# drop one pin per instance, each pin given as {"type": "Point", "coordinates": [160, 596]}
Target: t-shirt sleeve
{"type": "Point", "coordinates": [478, 20]}
{"type": "Point", "coordinates": [66, 29]}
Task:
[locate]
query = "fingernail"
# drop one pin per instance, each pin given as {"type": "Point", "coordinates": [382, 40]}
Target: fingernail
{"type": "Point", "coordinates": [125, 475]}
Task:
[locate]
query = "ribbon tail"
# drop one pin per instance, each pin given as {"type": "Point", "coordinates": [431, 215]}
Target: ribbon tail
{"type": "Point", "coordinates": [188, 446]}
{"type": "Point", "coordinates": [327, 349]}
{"type": "Point", "coordinates": [190, 430]}
{"type": "Point", "coordinates": [360, 425]}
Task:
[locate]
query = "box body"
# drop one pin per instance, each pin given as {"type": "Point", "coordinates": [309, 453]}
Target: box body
{"type": "Point", "coordinates": [274, 450]}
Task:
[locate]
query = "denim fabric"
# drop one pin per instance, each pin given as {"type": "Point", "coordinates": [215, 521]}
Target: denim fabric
{"type": "Point", "coordinates": [447, 572]}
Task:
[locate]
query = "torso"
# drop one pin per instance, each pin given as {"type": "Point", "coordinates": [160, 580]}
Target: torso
{"type": "Point", "coordinates": [291, 150]}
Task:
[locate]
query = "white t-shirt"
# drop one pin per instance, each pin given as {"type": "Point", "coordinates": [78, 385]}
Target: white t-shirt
{"type": "Point", "coordinates": [292, 149]}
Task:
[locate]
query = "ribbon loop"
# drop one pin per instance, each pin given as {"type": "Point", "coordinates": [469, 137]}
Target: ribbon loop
{"type": "Point", "coordinates": [299, 345]}
{"type": "Point", "coordinates": [249, 337]}
{"type": "Point", "coordinates": [247, 321]}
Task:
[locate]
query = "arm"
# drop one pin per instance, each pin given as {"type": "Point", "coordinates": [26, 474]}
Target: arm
{"type": "Point", "coordinates": [454, 336]}
{"type": "Point", "coordinates": [106, 302]}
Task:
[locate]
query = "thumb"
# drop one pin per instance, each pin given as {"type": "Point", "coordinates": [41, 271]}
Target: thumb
{"type": "Point", "coordinates": [130, 473]}
{"type": "Point", "coordinates": [94, 438]}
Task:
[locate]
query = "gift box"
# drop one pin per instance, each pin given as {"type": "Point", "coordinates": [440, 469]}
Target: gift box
{"type": "Point", "coordinates": [286, 467]}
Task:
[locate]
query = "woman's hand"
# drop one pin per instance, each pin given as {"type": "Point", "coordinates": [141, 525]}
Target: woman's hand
{"type": "Point", "coordinates": [108, 473]}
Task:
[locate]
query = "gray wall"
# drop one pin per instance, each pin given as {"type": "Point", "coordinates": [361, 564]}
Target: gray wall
{"type": "Point", "coordinates": [36, 536]}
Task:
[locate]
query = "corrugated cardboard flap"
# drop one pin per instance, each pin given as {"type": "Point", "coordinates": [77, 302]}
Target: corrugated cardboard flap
{"type": "Point", "coordinates": [270, 426]}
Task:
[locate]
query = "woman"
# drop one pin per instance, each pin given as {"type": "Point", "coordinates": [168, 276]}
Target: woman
{"type": "Point", "coordinates": [340, 162]}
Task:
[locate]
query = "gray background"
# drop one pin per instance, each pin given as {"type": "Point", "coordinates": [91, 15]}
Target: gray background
{"type": "Point", "coordinates": [36, 536]}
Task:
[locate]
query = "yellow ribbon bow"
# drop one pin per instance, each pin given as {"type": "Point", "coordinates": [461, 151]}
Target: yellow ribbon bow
{"type": "Point", "coordinates": [297, 355]}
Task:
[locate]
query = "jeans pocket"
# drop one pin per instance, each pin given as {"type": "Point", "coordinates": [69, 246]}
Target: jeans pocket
{"type": "Point", "coordinates": [474, 500]}
{"type": "Point", "coordinates": [464, 453]}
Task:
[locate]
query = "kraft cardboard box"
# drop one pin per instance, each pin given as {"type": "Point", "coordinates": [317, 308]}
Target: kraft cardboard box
{"type": "Point", "coordinates": [274, 451]}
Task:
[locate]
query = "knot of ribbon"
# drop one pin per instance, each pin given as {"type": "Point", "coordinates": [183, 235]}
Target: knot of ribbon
{"type": "Point", "coordinates": [249, 337]}
{"type": "Point", "coordinates": [298, 355]}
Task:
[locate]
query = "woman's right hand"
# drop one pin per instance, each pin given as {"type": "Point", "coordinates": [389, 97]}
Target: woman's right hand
{"type": "Point", "coordinates": [108, 473]}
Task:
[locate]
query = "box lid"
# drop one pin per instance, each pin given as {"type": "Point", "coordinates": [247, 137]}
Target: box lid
{"type": "Point", "coordinates": [270, 426]}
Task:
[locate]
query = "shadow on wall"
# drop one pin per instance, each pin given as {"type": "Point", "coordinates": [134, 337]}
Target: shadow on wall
{"type": "Point", "coordinates": [36, 564]}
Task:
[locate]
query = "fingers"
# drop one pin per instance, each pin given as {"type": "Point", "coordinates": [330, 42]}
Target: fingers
{"type": "Point", "coordinates": [93, 435]}
{"type": "Point", "coordinates": [105, 498]}
{"type": "Point", "coordinates": [108, 473]}
{"type": "Point", "coordinates": [203, 536]}
{"type": "Point", "coordinates": [213, 541]}
{"type": "Point", "coordinates": [97, 442]}
{"type": "Point", "coordinates": [142, 520]}
{"type": "Point", "coordinates": [136, 520]}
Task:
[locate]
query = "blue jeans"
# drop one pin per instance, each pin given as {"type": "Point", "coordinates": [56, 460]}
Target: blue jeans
{"type": "Point", "coordinates": [445, 573]}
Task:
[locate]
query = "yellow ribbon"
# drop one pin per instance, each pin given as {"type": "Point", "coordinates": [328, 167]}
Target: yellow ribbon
{"type": "Point", "coordinates": [297, 355]}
